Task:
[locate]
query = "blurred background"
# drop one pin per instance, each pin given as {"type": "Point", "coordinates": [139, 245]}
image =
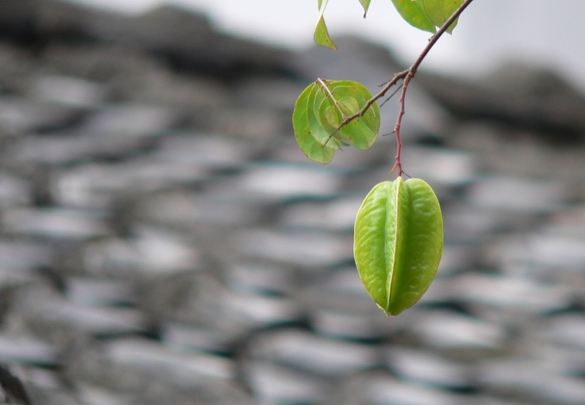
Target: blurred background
{"type": "Point", "coordinates": [534, 31]}
{"type": "Point", "coordinates": [164, 240]}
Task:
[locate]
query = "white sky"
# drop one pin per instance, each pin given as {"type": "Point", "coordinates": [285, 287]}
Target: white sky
{"type": "Point", "coordinates": [545, 32]}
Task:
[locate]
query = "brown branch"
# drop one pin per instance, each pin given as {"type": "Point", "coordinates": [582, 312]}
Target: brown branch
{"type": "Point", "coordinates": [406, 76]}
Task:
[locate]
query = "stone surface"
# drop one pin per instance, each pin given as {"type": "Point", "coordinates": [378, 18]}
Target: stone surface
{"type": "Point", "coordinates": [163, 240]}
{"type": "Point", "coordinates": [524, 96]}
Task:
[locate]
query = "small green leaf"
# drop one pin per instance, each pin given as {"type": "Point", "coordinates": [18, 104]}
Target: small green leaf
{"type": "Point", "coordinates": [320, 128]}
{"type": "Point", "coordinates": [310, 147]}
{"type": "Point", "coordinates": [321, 36]}
{"type": "Point", "coordinates": [365, 5]}
{"type": "Point", "coordinates": [439, 11]}
{"type": "Point", "coordinates": [413, 12]}
{"type": "Point", "coordinates": [332, 116]}
{"type": "Point", "coordinates": [352, 97]}
{"type": "Point", "coordinates": [398, 242]}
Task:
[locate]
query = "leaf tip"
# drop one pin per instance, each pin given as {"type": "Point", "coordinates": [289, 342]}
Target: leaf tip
{"type": "Point", "coordinates": [321, 35]}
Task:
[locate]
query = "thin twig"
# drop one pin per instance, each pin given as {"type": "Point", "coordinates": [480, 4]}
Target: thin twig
{"type": "Point", "coordinates": [391, 95]}
{"type": "Point", "coordinates": [406, 76]}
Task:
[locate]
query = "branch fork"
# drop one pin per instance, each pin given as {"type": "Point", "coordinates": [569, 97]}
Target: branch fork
{"type": "Point", "coordinates": [406, 76]}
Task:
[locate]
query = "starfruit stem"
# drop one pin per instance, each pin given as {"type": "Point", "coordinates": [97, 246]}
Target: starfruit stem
{"type": "Point", "coordinates": [402, 101]}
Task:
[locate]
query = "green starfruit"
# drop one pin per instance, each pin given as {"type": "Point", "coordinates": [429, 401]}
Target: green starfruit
{"type": "Point", "coordinates": [398, 242]}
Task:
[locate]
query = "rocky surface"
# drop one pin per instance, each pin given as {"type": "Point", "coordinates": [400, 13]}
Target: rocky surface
{"type": "Point", "coordinates": [164, 240]}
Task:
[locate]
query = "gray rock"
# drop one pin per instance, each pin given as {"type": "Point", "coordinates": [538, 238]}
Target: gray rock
{"type": "Point", "coordinates": [69, 91]}
{"type": "Point", "coordinates": [123, 70]}
{"type": "Point", "coordinates": [111, 257]}
{"type": "Point", "coordinates": [429, 368]}
{"type": "Point", "coordinates": [206, 150]}
{"type": "Point", "coordinates": [17, 19]}
{"type": "Point", "coordinates": [156, 86]}
{"type": "Point", "coordinates": [20, 115]}
{"type": "Point", "coordinates": [184, 366]}
{"type": "Point", "coordinates": [449, 330]}
{"type": "Point", "coordinates": [13, 279]}
{"type": "Point", "coordinates": [551, 254]}
{"type": "Point", "coordinates": [194, 298]}
{"type": "Point", "coordinates": [517, 152]}
{"type": "Point", "coordinates": [56, 223]}
{"type": "Point", "coordinates": [439, 165]}
{"type": "Point", "coordinates": [188, 39]}
{"type": "Point", "coordinates": [557, 247]}
{"type": "Point", "coordinates": [94, 291]}
{"type": "Point", "coordinates": [14, 191]}
{"type": "Point", "coordinates": [256, 276]}
{"type": "Point", "coordinates": [269, 92]}
{"type": "Point", "coordinates": [153, 373]}
{"type": "Point", "coordinates": [249, 310]}
{"type": "Point", "coordinates": [23, 349]}
{"type": "Point", "coordinates": [282, 181]}
{"type": "Point", "coordinates": [336, 215]}
{"type": "Point", "coordinates": [457, 258]}
{"type": "Point", "coordinates": [165, 252]}
{"type": "Point", "coordinates": [276, 384]}
{"type": "Point", "coordinates": [16, 67]}
{"type": "Point", "coordinates": [186, 210]}
{"type": "Point", "coordinates": [310, 249]}
{"type": "Point", "coordinates": [24, 254]}
{"type": "Point", "coordinates": [38, 377]}
{"type": "Point", "coordinates": [74, 147]}
{"type": "Point", "coordinates": [53, 150]}
{"type": "Point", "coordinates": [92, 395]}
{"type": "Point", "coordinates": [55, 397]}
{"type": "Point", "coordinates": [339, 306]}
{"type": "Point", "coordinates": [182, 36]}
{"type": "Point", "coordinates": [518, 194]}
{"type": "Point", "coordinates": [510, 293]}
{"type": "Point", "coordinates": [303, 350]}
{"type": "Point", "coordinates": [63, 322]}
{"type": "Point", "coordinates": [204, 338]}
{"type": "Point", "coordinates": [150, 254]}
{"type": "Point", "coordinates": [531, 381]}
{"type": "Point", "coordinates": [130, 120]}
{"type": "Point", "coordinates": [381, 389]}
{"type": "Point", "coordinates": [259, 124]}
{"type": "Point", "coordinates": [522, 95]}
{"type": "Point", "coordinates": [565, 329]}
{"type": "Point", "coordinates": [99, 185]}
{"type": "Point", "coordinates": [472, 224]}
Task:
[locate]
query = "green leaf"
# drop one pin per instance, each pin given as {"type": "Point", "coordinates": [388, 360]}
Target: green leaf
{"type": "Point", "coordinates": [352, 97]}
{"type": "Point", "coordinates": [398, 242]}
{"type": "Point", "coordinates": [308, 144]}
{"type": "Point", "coordinates": [365, 5]}
{"type": "Point", "coordinates": [413, 12]}
{"type": "Point", "coordinates": [321, 35]}
{"type": "Point", "coordinates": [439, 11]}
{"type": "Point", "coordinates": [319, 126]}
{"type": "Point", "coordinates": [319, 112]}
